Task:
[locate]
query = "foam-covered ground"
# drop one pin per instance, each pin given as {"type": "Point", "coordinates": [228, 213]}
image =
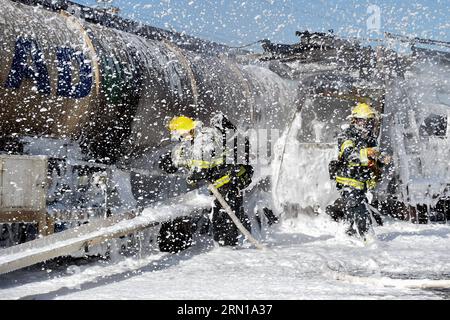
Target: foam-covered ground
{"type": "Point", "coordinates": [308, 258]}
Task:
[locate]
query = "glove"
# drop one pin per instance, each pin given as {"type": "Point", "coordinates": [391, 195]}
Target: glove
{"type": "Point", "coordinates": [165, 163]}
{"type": "Point", "coordinates": [198, 176]}
{"type": "Point", "coordinates": [191, 182]}
{"type": "Point", "coordinates": [242, 174]}
{"type": "Point", "coordinates": [373, 153]}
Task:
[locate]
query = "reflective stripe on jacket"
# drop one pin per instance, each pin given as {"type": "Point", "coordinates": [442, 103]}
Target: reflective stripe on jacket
{"type": "Point", "coordinates": [360, 185]}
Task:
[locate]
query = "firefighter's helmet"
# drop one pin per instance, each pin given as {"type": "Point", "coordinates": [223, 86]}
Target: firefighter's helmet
{"type": "Point", "coordinates": [181, 124]}
{"type": "Point", "coordinates": [364, 111]}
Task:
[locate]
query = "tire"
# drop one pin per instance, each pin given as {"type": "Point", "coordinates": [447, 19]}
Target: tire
{"type": "Point", "coordinates": [175, 236]}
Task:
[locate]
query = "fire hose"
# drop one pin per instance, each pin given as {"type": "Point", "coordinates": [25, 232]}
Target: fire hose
{"type": "Point", "coordinates": [233, 217]}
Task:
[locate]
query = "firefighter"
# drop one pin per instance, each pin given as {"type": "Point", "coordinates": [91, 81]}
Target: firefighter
{"type": "Point", "coordinates": [203, 152]}
{"type": "Point", "coordinates": [357, 169]}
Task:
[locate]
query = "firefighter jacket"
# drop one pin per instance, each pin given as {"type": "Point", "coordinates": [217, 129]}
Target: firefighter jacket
{"type": "Point", "coordinates": [358, 160]}
{"type": "Point", "coordinates": [204, 151]}
{"type": "Point", "coordinates": [204, 156]}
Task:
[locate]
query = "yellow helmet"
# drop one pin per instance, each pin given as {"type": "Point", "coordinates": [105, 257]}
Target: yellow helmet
{"type": "Point", "coordinates": [364, 111]}
{"type": "Point", "coordinates": [181, 124]}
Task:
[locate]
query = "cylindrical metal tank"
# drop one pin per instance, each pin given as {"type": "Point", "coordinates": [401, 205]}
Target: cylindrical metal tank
{"type": "Point", "coordinates": [114, 91]}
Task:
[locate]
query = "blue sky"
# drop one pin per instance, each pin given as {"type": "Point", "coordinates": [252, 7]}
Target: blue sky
{"type": "Point", "coordinates": [236, 22]}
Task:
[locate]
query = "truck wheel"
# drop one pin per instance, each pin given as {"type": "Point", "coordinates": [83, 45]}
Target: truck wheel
{"type": "Point", "coordinates": [175, 236]}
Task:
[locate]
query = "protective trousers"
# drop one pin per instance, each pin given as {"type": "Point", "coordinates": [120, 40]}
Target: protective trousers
{"type": "Point", "coordinates": [355, 210]}
{"type": "Point", "coordinates": [225, 231]}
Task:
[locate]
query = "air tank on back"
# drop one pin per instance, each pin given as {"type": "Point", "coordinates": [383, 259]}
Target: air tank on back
{"type": "Point", "coordinates": [113, 91]}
